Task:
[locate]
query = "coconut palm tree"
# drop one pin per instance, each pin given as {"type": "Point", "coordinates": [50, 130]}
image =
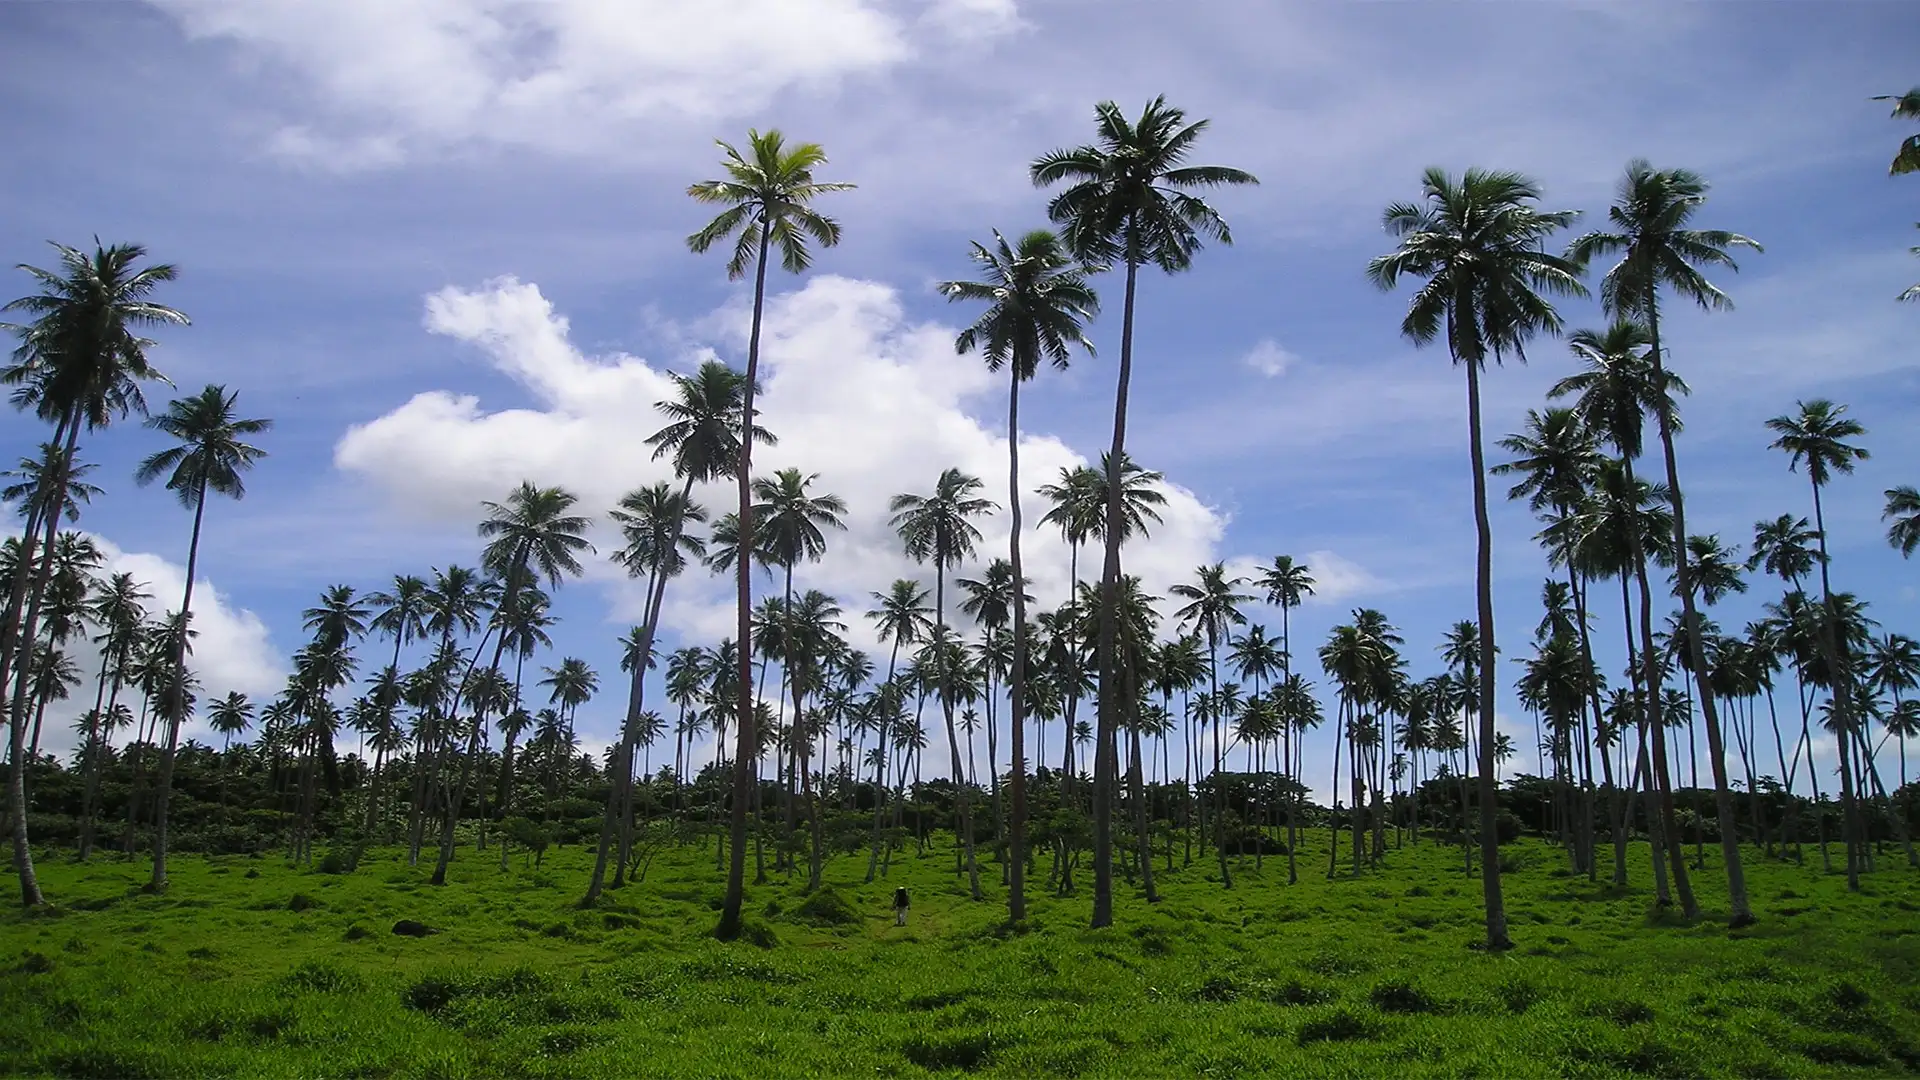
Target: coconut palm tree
{"type": "Point", "coordinates": [79, 364]}
{"type": "Point", "coordinates": [530, 536]}
{"type": "Point", "coordinates": [119, 611]}
{"type": "Point", "coordinates": [1477, 242]}
{"type": "Point", "coordinates": [767, 194]}
{"type": "Point", "coordinates": [1903, 509]}
{"type": "Point", "coordinates": [1657, 249]}
{"type": "Point", "coordinates": [211, 455]}
{"type": "Point", "coordinates": [900, 619]}
{"type": "Point", "coordinates": [1039, 303]}
{"type": "Point", "coordinates": [936, 529]}
{"type": "Point", "coordinates": [706, 421]}
{"type": "Point", "coordinates": [401, 613]}
{"type": "Point", "coordinates": [1129, 199]}
{"type": "Point", "coordinates": [1818, 436]}
{"type": "Point", "coordinates": [1213, 609]}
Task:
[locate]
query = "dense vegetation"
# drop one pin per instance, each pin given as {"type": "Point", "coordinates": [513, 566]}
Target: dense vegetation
{"type": "Point", "coordinates": [1179, 723]}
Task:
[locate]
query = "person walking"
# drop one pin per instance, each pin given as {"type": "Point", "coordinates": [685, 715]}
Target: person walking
{"type": "Point", "coordinates": [900, 907]}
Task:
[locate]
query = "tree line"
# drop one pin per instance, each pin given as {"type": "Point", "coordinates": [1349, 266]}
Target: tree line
{"type": "Point", "coordinates": [1477, 247]}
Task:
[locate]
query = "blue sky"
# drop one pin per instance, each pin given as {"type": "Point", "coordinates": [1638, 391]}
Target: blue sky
{"type": "Point", "coordinates": [441, 244]}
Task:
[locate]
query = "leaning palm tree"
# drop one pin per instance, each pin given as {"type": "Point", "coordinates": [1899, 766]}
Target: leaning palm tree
{"type": "Point", "coordinates": [530, 536]}
{"type": "Point", "coordinates": [1040, 303]}
{"type": "Point", "coordinates": [1477, 242]}
{"type": "Point", "coordinates": [935, 528]}
{"type": "Point", "coordinates": [1903, 509]}
{"type": "Point", "coordinates": [210, 456]}
{"type": "Point", "coordinates": [767, 194]}
{"type": "Point", "coordinates": [1649, 220]}
{"type": "Point", "coordinates": [1818, 436]}
{"type": "Point", "coordinates": [1129, 199]}
{"type": "Point", "coordinates": [79, 364]}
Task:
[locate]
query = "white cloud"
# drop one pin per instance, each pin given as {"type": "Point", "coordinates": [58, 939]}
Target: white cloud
{"type": "Point", "coordinates": [231, 649]}
{"type": "Point", "coordinates": [1268, 358]}
{"type": "Point", "coordinates": [874, 404]}
{"type": "Point", "coordinates": [392, 79]}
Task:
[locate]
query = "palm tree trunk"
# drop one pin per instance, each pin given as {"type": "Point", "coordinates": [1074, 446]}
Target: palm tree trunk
{"type": "Point", "coordinates": [41, 571]}
{"type": "Point", "coordinates": [748, 742]}
{"type": "Point", "coordinates": [1841, 677]}
{"type": "Point", "coordinates": [1333, 790]}
{"type": "Point", "coordinates": [961, 792]}
{"type": "Point", "coordinates": [1107, 659]}
{"type": "Point", "coordinates": [1742, 914]}
{"type": "Point", "coordinates": [1489, 787]}
{"type": "Point", "coordinates": [176, 703]}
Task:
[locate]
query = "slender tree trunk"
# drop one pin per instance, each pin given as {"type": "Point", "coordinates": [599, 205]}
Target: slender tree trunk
{"type": "Point", "coordinates": [961, 792]}
{"type": "Point", "coordinates": [176, 702]}
{"type": "Point", "coordinates": [1742, 914]}
{"type": "Point", "coordinates": [1841, 676]}
{"type": "Point", "coordinates": [1489, 787]}
{"type": "Point", "coordinates": [12, 634]}
{"type": "Point", "coordinates": [1107, 659]}
{"type": "Point", "coordinates": [748, 742]}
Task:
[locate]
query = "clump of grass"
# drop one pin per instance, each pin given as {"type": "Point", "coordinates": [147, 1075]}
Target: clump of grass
{"type": "Point", "coordinates": [1401, 996]}
{"type": "Point", "coordinates": [1517, 994]}
{"type": "Point", "coordinates": [1218, 989]}
{"type": "Point", "coordinates": [301, 902]}
{"type": "Point", "coordinates": [1340, 1025]}
{"type": "Point", "coordinates": [826, 906]}
{"type": "Point", "coordinates": [1295, 992]}
{"type": "Point", "coordinates": [966, 1050]}
{"type": "Point", "coordinates": [324, 977]}
{"type": "Point", "coordinates": [34, 963]}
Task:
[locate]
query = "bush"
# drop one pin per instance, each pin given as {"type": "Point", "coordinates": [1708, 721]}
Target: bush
{"type": "Point", "coordinates": [301, 901]}
{"type": "Point", "coordinates": [826, 907]}
{"type": "Point", "coordinates": [341, 860]}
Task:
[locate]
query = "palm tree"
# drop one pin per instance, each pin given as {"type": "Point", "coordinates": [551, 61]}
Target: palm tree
{"type": "Point", "coordinates": [1477, 241]}
{"type": "Point", "coordinates": [119, 611]}
{"type": "Point", "coordinates": [1903, 509]}
{"type": "Point", "coordinates": [901, 619]}
{"type": "Point", "coordinates": [530, 536]}
{"type": "Point", "coordinates": [1286, 584]}
{"type": "Point", "coordinates": [210, 456]}
{"type": "Point", "coordinates": [935, 528]}
{"type": "Point", "coordinates": [1818, 436]}
{"type": "Point", "coordinates": [230, 716]}
{"type": "Point", "coordinates": [1129, 199]}
{"type": "Point", "coordinates": [1649, 220]}
{"type": "Point", "coordinates": [80, 363]}
{"type": "Point", "coordinates": [1213, 609]}
{"type": "Point", "coordinates": [1039, 305]}
{"type": "Point", "coordinates": [767, 194]}
{"type": "Point", "coordinates": [706, 421]}
{"type": "Point", "coordinates": [401, 613]}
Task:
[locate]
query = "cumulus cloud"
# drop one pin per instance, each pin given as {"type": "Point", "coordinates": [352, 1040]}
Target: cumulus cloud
{"type": "Point", "coordinates": [390, 79]}
{"type": "Point", "coordinates": [231, 649]}
{"type": "Point", "coordinates": [1268, 358]}
{"type": "Point", "coordinates": [873, 403]}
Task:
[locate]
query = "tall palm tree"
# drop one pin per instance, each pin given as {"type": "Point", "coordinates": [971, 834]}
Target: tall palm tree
{"type": "Point", "coordinates": [119, 611]}
{"type": "Point", "coordinates": [1286, 584]}
{"type": "Point", "coordinates": [1903, 509]}
{"type": "Point", "coordinates": [1477, 242]}
{"type": "Point", "coordinates": [79, 364]}
{"type": "Point", "coordinates": [1213, 610]}
{"type": "Point", "coordinates": [402, 612]}
{"type": "Point", "coordinates": [211, 455]}
{"type": "Point", "coordinates": [767, 194]}
{"type": "Point", "coordinates": [1617, 386]}
{"type": "Point", "coordinates": [1039, 303]}
{"type": "Point", "coordinates": [1818, 436]}
{"type": "Point", "coordinates": [935, 528]}
{"type": "Point", "coordinates": [1649, 220]}
{"type": "Point", "coordinates": [1129, 198]}
{"type": "Point", "coordinates": [900, 619]}
{"type": "Point", "coordinates": [706, 421]}
{"type": "Point", "coordinates": [530, 536]}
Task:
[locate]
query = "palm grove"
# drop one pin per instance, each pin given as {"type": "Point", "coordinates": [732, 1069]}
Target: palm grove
{"type": "Point", "coordinates": [818, 748]}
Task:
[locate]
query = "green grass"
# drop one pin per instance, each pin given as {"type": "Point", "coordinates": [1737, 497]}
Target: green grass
{"type": "Point", "coordinates": [247, 967]}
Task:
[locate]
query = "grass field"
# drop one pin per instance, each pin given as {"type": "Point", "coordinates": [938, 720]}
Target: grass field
{"type": "Point", "coordinates": [248, 967]}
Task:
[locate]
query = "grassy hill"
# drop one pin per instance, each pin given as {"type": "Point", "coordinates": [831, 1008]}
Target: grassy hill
{"type": "Point", "coordinates": [250, 968]}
